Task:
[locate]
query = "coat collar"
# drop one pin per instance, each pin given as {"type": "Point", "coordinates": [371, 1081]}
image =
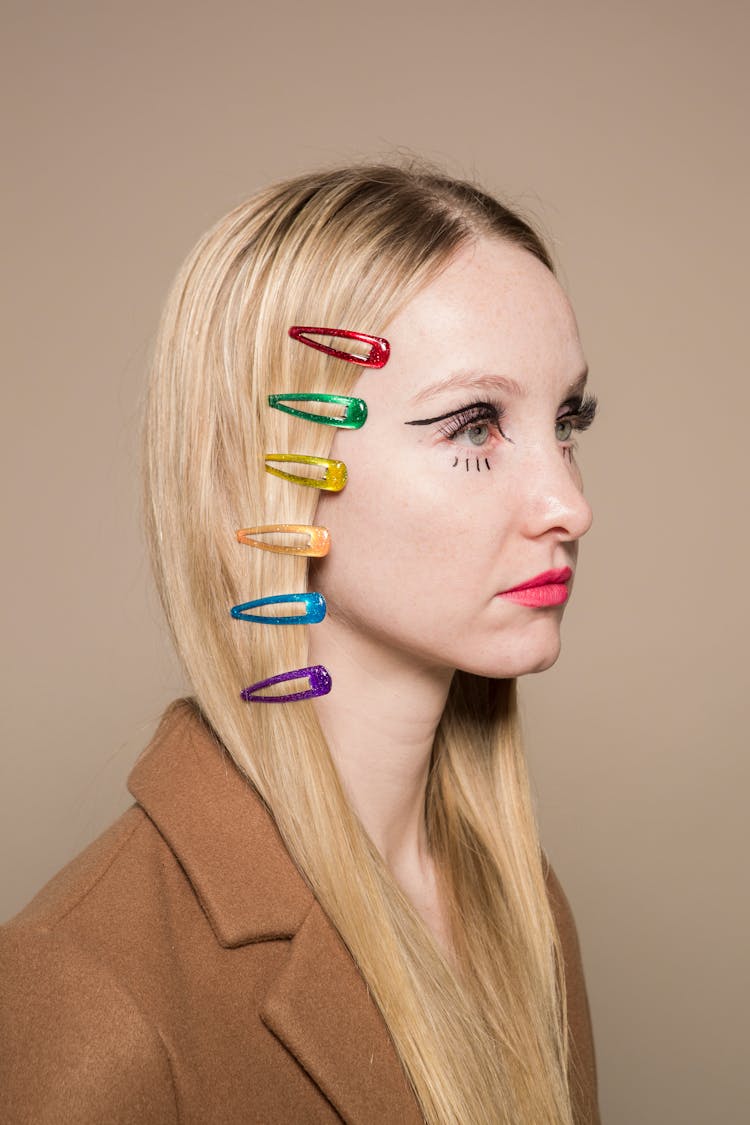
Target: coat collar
{"type": "Point", "coordinates": [220, 831]}
{"type": "Point", "coordinates": [224, 838]}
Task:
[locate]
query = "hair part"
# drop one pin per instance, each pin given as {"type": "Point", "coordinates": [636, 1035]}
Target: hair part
{"type": "Point", "coordinates": [348, 248]}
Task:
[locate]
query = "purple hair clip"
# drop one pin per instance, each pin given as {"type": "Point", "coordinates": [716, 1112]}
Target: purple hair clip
{"type": "Point", "coordinates": [318, 678]}
{"type": "Point", "coordinates": [380, 349]}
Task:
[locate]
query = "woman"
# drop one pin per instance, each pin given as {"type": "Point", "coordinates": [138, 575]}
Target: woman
{"type": "Point", "coordinates": [357, 922]}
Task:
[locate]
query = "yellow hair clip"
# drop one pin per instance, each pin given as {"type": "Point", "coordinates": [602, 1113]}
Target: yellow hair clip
{"type": "Point", "coordinates": [334, 474]}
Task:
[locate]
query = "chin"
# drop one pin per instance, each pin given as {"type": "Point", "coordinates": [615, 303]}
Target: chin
{"type": "Point", "coordinates": [523, 659]}
{"type": "Point", "coordinates": [542, 665]}
{"type": "Point", "coordinates": [539, 662]}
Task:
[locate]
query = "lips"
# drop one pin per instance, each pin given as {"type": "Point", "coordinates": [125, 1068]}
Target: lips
{"type": "Point", "coordinates": [546, 589]}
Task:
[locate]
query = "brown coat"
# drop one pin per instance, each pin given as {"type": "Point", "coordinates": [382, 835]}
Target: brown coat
{"type": "Point", "coordinates": [180, 970]}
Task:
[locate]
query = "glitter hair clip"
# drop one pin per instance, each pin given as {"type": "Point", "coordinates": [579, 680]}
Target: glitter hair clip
{"type": "Point", "coordinates": [317, 545]}
{"type": "Point", "coordinates": [315, 609]}
{"type": "Point", "coordinates": [334, 472]}
{"type": "Point", "coordinates": [380, 349]}
{"type": "Point", "coordinates": [354, 416]}
{"type": "Point", "coordinates": [318, 679]}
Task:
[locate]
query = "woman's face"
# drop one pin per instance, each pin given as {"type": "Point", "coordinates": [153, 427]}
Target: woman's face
{"type": "Point", "coordinates": [462, 483]}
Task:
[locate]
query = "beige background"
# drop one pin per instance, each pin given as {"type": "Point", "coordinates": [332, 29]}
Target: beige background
{"type": "Point", "coordinates": [622, 128]}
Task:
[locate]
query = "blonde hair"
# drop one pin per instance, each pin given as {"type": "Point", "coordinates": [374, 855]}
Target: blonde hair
{"type": "Point", "coordinates": [483, 1040]}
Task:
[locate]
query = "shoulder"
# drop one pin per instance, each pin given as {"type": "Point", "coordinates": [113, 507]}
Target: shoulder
{"type": "Point", "coordinates": [74, 1045]}
{"type": "Point", "coordinates": [563, 914]}
{"type": "Point", "coordinates": [581, 1039]}
{"type": "Point", "coordinates": [186, 903]}
{"type": "Point", "coordinates": [74, 882]}
{"type": "Point", "coordinates": [578, 1011]}
{"type": "Point", "coordinates": [106, 890]}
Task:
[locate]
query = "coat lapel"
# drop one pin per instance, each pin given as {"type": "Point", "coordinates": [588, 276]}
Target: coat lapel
{"type": "Point", "coordinates": [220, 831]}
{"type": "Point", "coordinates": [320, 1009]}
{"type": "Point", "coordinates": [318, 1005]}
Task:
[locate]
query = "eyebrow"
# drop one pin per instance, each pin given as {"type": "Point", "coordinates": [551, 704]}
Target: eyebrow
{"type": "Point", "coordinates": [473, 380]}
{"type": "Point", "coordinates": [468, 380]}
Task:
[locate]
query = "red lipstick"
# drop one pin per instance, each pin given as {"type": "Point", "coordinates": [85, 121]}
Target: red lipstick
{"type": "Point", "coordinates": [548, 588]}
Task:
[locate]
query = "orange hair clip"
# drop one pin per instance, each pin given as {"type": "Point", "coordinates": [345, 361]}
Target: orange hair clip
{"type": "Point", "coordinates": [317, 545]}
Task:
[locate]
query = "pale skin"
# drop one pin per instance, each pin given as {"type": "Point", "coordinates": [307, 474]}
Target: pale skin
{"type": "Point", "coordinates": [435, 522]}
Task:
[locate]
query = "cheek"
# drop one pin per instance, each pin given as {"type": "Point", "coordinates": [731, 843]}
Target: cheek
{"type": "Point", "coordinates": [415, 563]}
{"type": "Point", "coordinates": [388, 534]}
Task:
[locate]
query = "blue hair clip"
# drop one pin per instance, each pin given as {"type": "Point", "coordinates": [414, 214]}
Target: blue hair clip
{"type": "Point", "coordinates": [314, 612]}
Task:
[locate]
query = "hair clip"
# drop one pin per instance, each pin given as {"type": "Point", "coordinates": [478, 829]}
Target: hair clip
{"type": "Point", "coordinates": [315, 609]}
{"type": "Point", "coordinates": [355, 409]}
{"type": "Point", "coordinates": [334, 476]}
{"type": "Point", "coordinates": [318, 538]}
{"type": "Point", "coordinates": [318, 677]}
{"type": "Point", "coordinates": [380, 349]}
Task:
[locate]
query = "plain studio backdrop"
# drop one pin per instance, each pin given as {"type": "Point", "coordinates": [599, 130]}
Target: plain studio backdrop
{"type": "Point", "coordinates": [621, 129]}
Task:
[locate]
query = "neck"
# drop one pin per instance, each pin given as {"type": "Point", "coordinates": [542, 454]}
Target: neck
{"type": "Point", "coordinates": [380, 721]}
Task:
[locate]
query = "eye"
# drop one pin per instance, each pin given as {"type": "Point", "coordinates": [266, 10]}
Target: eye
{"type": "Point", "coordinates": [472, 425]}
{"type": "Point", "coordinates": [469, 425]}
{"type": "Point", "coordinates": [476, 434]}
{"type": "Point", "coordinates": [578, 416]}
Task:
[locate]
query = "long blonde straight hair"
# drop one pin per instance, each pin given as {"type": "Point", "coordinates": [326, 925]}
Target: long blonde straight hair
{"type": "Point", "coordinates": [482, 1040]}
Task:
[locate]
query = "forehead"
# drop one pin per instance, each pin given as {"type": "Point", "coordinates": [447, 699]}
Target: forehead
{"type": "Point", "coordinates": [494, 309]}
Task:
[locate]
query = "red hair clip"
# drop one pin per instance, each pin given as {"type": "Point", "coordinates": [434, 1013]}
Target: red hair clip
{"type": "Point", "coordinates": [380, 349]}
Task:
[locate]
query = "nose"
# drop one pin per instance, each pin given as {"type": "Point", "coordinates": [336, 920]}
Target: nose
{"type": "Point", "coordinates": [552, 497]}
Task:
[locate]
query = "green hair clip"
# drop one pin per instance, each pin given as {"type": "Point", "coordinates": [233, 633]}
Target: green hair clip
{"type": "Point", "coordinates": [354, 416]}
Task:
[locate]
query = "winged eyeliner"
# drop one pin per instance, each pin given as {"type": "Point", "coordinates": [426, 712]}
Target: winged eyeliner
{"type": "Point", "coordinates": [448, 414]}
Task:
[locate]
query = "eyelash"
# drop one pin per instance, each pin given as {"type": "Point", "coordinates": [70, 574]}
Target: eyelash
{"type": "Point", "coordinates": [472, 415]}
{"type": "Point", "coordinates": [581, 413]}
